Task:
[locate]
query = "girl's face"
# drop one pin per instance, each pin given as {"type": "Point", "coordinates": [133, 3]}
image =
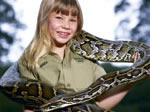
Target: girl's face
{"type": "Point", "coordinates": [62, 27]}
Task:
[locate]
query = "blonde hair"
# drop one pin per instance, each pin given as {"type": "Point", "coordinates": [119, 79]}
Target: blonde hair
{"type": "Point", "coordinates": [41, 43]}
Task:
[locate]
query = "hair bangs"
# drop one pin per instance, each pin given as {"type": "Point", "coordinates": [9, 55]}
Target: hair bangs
{"type": "Point", "coordinates": [66, 7]}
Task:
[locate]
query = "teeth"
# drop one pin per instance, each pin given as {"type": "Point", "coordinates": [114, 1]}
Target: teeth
{"type": "Point", "coordinates": [63, 33]}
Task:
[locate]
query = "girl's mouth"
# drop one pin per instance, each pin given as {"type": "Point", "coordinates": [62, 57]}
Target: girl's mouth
{"type": "Point", "coordinates": [63, 34]}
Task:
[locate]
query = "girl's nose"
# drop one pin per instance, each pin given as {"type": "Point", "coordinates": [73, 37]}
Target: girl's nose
{"type": "Point", "coordinates": [66, 24]}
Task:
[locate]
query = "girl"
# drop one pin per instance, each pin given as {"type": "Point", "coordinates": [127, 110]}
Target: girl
{"type": "Point", "coordinates": [49, 59]}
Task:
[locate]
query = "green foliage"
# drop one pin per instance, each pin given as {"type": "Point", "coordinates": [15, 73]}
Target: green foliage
{"type": "Point", "coordinates": [111, 68]}
{"type": "Point", "coordinates": [6, 105]}
{"type": "Point", "coordinates": [137, 100]}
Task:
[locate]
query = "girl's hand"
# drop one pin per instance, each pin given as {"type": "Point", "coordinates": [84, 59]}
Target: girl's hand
{"type": "Point", "coordinates": [135, 57]}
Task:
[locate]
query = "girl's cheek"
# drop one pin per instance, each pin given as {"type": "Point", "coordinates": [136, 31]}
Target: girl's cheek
{"type": "Point", "coordinates": [75, 27]}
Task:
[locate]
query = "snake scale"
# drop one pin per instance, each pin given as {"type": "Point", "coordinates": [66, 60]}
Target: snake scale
{"type": "Point", "coordinates": [42, 97]}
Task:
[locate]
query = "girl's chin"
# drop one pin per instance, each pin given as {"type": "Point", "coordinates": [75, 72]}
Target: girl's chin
{"type": "Point", "coordinates": [61, 44]}
{"type": "Point", "coordinates": [63, 40]}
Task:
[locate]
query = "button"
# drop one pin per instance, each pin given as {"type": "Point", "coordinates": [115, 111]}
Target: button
{"type": "Point", "coordinates": [68, 85]}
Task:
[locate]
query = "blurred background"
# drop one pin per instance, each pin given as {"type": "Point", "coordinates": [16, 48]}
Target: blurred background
{"type": "Point", "coordinates": [108, 19]}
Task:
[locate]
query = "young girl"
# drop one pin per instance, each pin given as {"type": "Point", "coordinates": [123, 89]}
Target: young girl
{"type": "Point", "coordinates": [49, 59]}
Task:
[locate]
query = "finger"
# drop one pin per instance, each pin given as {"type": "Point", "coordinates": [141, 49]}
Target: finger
{"type": "Point", "coordinates": [135, 57]}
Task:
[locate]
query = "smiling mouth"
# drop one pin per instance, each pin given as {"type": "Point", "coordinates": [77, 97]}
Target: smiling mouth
{"type": "Point", "coordinates": [63, 34]}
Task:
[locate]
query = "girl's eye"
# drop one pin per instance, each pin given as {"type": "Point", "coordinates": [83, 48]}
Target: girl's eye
{"type": "Point", "coordinates": [59, 17]}
{"type": "Point", "coordinates": [73, 20]}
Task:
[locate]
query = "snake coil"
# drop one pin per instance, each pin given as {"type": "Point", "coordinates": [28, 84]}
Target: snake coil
{"type": "Point", "coordinates": [40, 96]}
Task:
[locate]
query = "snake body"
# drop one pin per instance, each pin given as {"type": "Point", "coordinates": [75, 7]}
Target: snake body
{"type": "Point", "coordinates": [40, 96]}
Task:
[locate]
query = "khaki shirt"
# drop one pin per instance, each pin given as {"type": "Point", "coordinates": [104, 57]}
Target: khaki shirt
{"type": "Point", "coordinates": [73, 74]}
